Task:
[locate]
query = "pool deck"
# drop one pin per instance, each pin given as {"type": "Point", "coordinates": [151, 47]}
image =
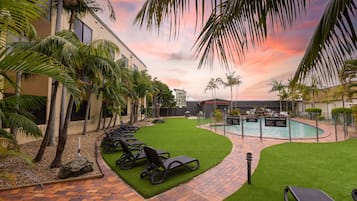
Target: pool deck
{"type": "Point", "coordinates": [214, 184]}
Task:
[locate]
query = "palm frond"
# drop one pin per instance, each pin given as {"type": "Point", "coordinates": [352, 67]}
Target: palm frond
{"type": "Point", "coordinates": [236, 25]}
{"type": "Point", "coordinates": [232, 27]}
{"type": "Point", "coordinates": [22, 123]}
{"type": "Point", "coordinates": [33, 62]}
{"type": "Point", "coordinates": [333, 42]}
{"type": "Point", "coordinates": [16, 14]}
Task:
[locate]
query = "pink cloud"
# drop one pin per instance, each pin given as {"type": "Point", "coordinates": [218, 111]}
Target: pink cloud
{"type": "Point", "coordinates": [173, 82]}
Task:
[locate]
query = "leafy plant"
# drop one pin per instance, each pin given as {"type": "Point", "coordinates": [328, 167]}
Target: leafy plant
{"type": "Point", "coordinates": [218, 115]}
{"type": "Point", "coordinates": [234, 112]}
{"type": "Point", "coordinates": [337, 112]}
{"type": "Point", "coordinates": [313, 112]}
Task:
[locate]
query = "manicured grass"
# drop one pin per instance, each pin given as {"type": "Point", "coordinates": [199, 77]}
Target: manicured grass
{"type": "Point", "coordinates": [179, 136]}
{"type": "Point", "coordinates": [330, 167]}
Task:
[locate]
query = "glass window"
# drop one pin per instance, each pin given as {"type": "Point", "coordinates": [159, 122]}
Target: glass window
{"type": "Point", "coordinates": [125, 60]}
{"type": "Point", "coordinates": [87, 34]}
{"type": "Point", "coordinates": [135, 67]}
{"type": "Point", "coordinates": [83, 31]}
{"type": "Point", "coordinates": [78, 29]}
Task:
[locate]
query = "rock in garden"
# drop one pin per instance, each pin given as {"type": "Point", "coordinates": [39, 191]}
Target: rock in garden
{"type": "Point", "coordinates": [75, 168]}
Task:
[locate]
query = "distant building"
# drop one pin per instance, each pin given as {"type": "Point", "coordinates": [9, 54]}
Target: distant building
{"type": "Point", "coordinates": [180, 97]}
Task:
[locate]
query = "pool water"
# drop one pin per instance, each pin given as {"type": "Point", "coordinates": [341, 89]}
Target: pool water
{"type": "Point", "coordinates": [298, 130]}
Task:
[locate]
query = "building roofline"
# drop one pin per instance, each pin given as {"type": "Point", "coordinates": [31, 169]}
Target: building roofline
{"type": "Point", "coordinates": [111, 31]}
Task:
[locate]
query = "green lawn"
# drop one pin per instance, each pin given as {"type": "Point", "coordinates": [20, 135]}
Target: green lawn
{"type": "Point", "coordinates": [179, 136]}
{"type": "Point", "coordinates": [327, 166]}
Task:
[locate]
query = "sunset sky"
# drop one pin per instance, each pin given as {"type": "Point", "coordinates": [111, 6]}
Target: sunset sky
{"type": "Point", "coordinates": [172, 61]}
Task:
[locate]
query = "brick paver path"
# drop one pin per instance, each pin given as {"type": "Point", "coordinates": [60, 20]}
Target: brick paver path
{"type": "Point", "coordinates": [215, 184]}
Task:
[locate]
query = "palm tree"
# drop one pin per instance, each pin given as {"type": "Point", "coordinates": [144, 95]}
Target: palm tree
{"type": "Point", "coordinates": [99, 65]}
{"type": "Point", "coordinates": [232, 81]}
{"type": "Point", "coordinates": [212, 86]}
{"type": "Point", "coordinates": [76, 9]}
{"type": "Point", "coordinates": [280, 88]}
{"type": "Point", "coordinates": [93, 59]}
{"type": "Point", "coordinates": [233, 26]}
{"type": "Point", "coordinates": [294, 94]}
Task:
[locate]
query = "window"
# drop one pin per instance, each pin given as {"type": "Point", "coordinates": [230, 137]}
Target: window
{"type": "Point", "coordinates": [79, 114]}
{"type": "Point", "coordinates": [125, 60]}
{"type": "Point", "coordinates": [135, 67]}
{"type": "Point", "coordinates": [83, 31]}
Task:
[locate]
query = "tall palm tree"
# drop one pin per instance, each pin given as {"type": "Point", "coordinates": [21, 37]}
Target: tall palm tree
{"type": "Point", "coordinates": [139, 85]}
{"type": "Point", "coordinates": [234, 25]}
{"type": "Point", "coordinates": [99, 65]}
{"type": "Point", "coordinates": [213, 86]}
{"type": "Point", "coordinates": [61, 48]}
{"type": "Point", "coordinates": [294, 94]}
{"type": "Point", "coordinates": [93, 59]}
{"type": "Point", "coordinates": [279, 87]}
{"type": "Point", "coordinates": [77, 9]}
{"type": "Point", "coordinates": [232, 81]}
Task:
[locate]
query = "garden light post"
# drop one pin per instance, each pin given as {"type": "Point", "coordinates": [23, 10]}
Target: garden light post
{"type": "Point", "coordinates": [249, 166]}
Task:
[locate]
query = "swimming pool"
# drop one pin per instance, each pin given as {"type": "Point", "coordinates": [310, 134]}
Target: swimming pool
{"type": "Point", "coordinates": [298, 130]}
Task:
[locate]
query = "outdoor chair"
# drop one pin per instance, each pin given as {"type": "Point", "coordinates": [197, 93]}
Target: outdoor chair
{"type": "Point", "coordinates": [354, 194]}
{"type": "Point", "coordinates": [111, 143]}
{"type": "Point", "coordinates": [131, 155]}
{"type": "Point", "coordinates": [306, 194]}
{"type": "Point", "coordinates": [158, 168]}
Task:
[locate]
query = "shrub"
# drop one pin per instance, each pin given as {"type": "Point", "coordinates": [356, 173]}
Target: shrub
{"type": "Point", "coordinates": [218, 115]}
{"type": "Point", "coordinates": [354, 112]}
{"type": "Point", "coordinates": [313, 111]}
{"type": "Point", "coordinates": [234, 112]}
{"type": "Point", "coordinates": [340, 111]}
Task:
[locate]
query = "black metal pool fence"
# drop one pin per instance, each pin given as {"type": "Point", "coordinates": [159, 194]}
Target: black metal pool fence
{"type": "Point", "coordinates": [341, 120]}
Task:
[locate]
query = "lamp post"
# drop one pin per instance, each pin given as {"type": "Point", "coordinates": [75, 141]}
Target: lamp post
{"type": "Point", "coordinates": [249, 167]}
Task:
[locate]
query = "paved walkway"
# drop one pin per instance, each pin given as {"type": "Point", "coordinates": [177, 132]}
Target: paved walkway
{"type": "Point", "coordinates": [215, 184]}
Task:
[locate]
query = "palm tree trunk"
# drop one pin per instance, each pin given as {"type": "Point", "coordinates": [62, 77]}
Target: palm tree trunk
{"type": "Point", "coordinates": [86, 115]}
{"type": "Point", "coordinates": [231, 97]}
{"type": "Point", "coordinates": [62, 138]}
{"type": "Point", "coordinates": [104, 116]}
{"type": "Point", "coordinates": [110, 122]}
{"type": "Point", "coordinates": [17, 92]}
{"type": "Point", "coordinates": [59, 16]}
{"type": "Point", "coordinates": [50, 123]}
{"type": "Point", "coordinates": [100, 118]}
{"type": "Point", "coordinates": [115, 120]}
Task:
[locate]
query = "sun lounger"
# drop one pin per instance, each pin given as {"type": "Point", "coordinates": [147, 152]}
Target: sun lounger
{"type": "Point", "coordinates": [306, 194]}
{"type": "Point", "coordinates": [354, 194]}
{"type": "Point", "coordinates": [131, 155]}
{"type": "Point", "coordinates": [158, 168]}
{"type": "Point", "coordinates": [111, 143]}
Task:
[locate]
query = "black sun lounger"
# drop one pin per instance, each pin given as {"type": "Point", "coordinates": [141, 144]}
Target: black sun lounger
{"type": "Point", "coordinates": [131, 155]}
{"type": "Point", "coordinates": [158, 168]}
{"type": "Point", "coordinates": [354, 194]}
{"type": "Point", "coordinates": [306, 194]}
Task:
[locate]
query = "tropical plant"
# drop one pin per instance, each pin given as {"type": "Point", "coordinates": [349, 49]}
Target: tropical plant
{"type": "Point", "coordinates": [232, 81]}
{"type": "Point", "coordinates": [213, 86]}
{"type": "Point", "coordinates": [77, 9]}
{"type": "Point", "coordinates": [313, 112]}
{"type": "Point", "coordinates": [98, 66]}
{"type": "Point", "coordinates": [218, 116]}
{"type": "Point", "coordinates": [345, 112]}
{"type": "Point", "coordinates": [280, 88]}
{"type": "Point", "coordinates": [347, 76]}
{"type": "Point", "coordinates": [234, 26]}
{"type": "Point", "coordinates": [138, 89]}
{"type": "Point", "coordinates": [162, 96]}
{"type": "Point", "coordinates": [94, 61]}
{"type": "Point", "coordinates": [234, 112]}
